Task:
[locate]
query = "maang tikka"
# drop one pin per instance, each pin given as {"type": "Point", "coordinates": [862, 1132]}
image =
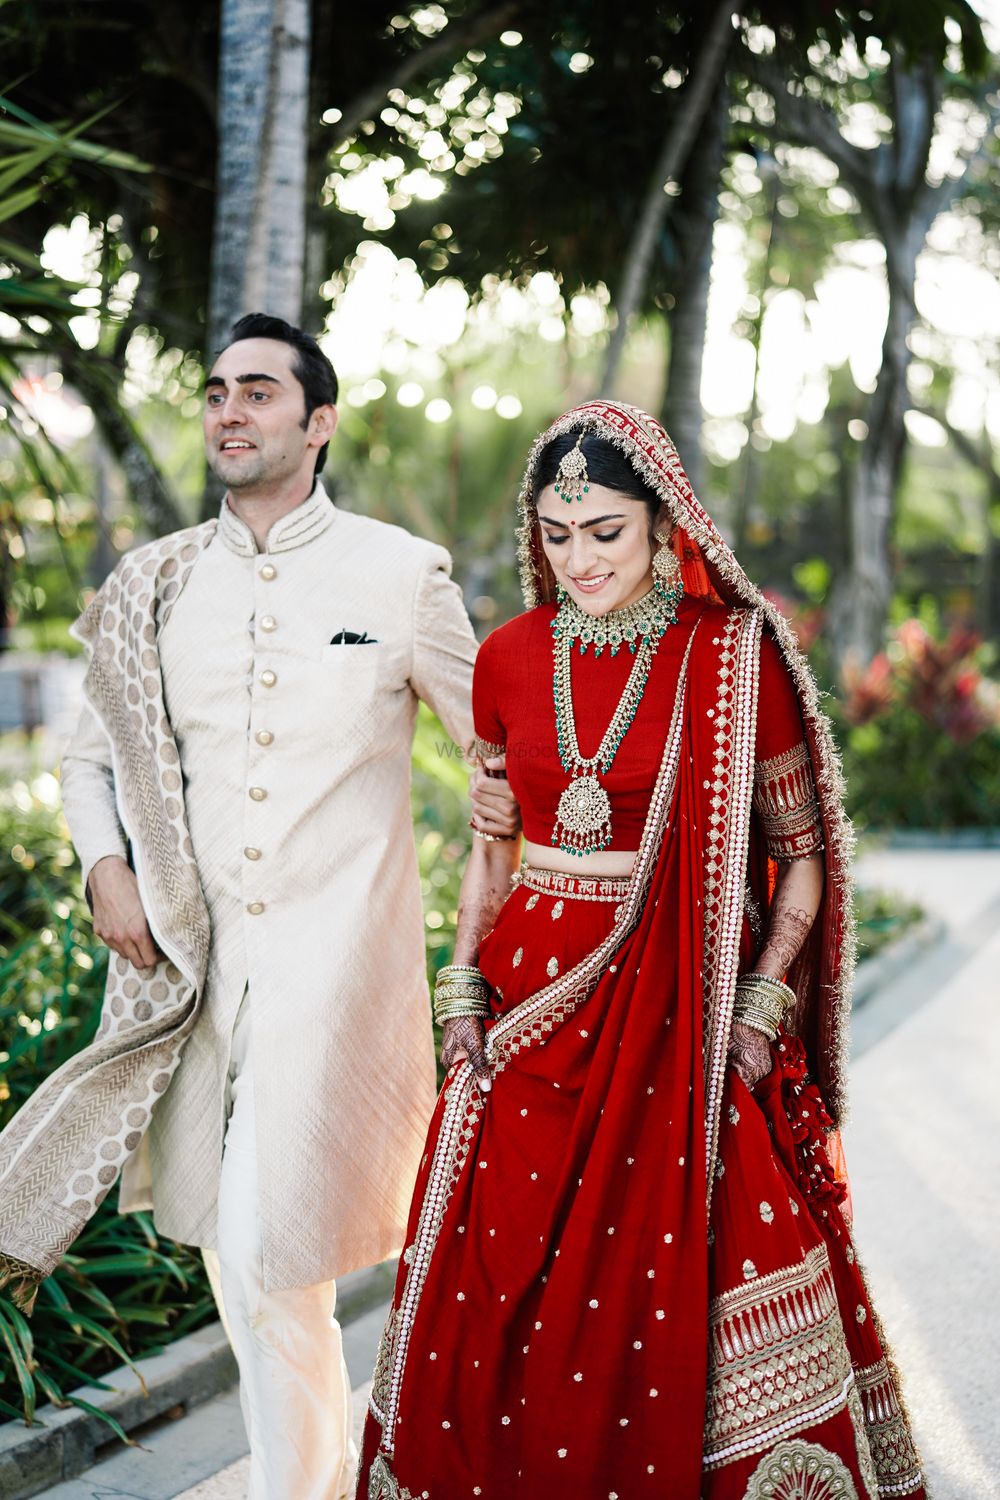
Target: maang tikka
{"type": "Point", "coordinates": [572, 476]}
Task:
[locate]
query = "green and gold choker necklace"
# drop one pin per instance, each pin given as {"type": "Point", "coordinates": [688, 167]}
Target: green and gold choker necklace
{"type": "Point", "coordinates": [583, 818]}
{"type": "Point", "coordinates": [646, 619]}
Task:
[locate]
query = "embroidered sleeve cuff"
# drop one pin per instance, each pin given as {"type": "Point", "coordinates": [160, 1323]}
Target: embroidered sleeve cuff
{"type": "Point", "coordinates": [786, 804]}
{"type": "Point", "coordinates": [487, 749]}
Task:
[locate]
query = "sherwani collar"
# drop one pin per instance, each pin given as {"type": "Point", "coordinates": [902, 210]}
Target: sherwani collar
{"type": "Point", "coordinates": [301, 525]}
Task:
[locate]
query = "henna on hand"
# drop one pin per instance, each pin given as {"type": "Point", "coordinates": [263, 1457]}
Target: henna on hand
{"type": "Point", "coordinates": [749, 1053]}
{"type": "Point", "coordinates": [787, 931]}
{"type": "Point", "coordinates": [477, 912]}
{"type": "Point", "coordinates": [465, 1037]}
{"type": "Point", "coordinates": [791, 916]}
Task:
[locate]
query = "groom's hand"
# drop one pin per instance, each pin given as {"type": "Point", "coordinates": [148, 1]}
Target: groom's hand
{"type": "Point", "coordinates": [119, 919]}
{"type": "Point", "coordinates": [494, 809]}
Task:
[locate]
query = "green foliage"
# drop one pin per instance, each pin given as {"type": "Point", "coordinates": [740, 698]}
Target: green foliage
{"type": "Point", "coordinates": [882, 917]}
{"type": "Point", "coordinates": [903, 773]}
{"type": "Point", "coordinates": [920, 732]}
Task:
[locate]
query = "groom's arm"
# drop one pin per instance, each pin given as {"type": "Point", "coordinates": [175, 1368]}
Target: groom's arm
{"type": "Point", "coordinates": [444, 653]}
{"type": "Point", "coordinates": [444, 650]}
{"type": "Point", "coordinates": [88, 792]}
{"type": "Point", "coordinates": [88, 789]}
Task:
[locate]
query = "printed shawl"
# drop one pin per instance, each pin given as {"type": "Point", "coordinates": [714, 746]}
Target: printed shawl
{"type": "Point", "coordinates": [63, 1151]}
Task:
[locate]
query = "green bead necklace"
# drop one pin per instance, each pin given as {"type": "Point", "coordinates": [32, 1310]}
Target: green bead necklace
{"type": "Point", "coordinates": [583, 817]}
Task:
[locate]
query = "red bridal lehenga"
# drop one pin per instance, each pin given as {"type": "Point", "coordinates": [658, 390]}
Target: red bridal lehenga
{"type": "Point", "coordinates": [625, 1275]}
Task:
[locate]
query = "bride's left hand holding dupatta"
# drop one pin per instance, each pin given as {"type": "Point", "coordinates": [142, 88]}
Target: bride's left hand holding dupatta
{"type": "Point", "coordinates": [485, 887]}
{"type": "Point", "coordinates": [797, 897]}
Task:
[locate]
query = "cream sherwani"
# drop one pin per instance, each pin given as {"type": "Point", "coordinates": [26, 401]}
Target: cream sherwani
{"type": "Point", "coordinates": [294, 760]}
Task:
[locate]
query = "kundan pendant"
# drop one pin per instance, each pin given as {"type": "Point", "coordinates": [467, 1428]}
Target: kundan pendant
{"type": "Point", "coordinates": [583, 817]}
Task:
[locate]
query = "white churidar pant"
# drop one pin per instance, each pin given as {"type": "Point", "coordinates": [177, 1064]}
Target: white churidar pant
{"type": "Point", "coordinates": [294, 1387]}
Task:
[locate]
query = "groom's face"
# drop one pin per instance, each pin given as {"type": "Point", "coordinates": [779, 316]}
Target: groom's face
{"type": "Point", "coordinates": [256, 429]}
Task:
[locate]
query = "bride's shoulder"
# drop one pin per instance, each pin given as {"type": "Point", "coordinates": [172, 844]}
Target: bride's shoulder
{"type": "Point", "coordinates": [524, 631]}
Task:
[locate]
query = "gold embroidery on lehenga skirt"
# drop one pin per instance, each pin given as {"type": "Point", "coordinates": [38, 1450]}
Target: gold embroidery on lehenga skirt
{"type": "Point", "coordinates": [865, 1462]}
{"type": "Point", "coordinates": [382, 1484]}
{"type": "Point", "coordinates": [801, 1471]}
{"type": "Point", "coordinates": [897, 1463]}
{"type": "Point", "coordinates": [381, 1385]}
{"type": "Point", "coordinates": [572, 887]}
{"type": "Point", "coordinates": [778, 1361]}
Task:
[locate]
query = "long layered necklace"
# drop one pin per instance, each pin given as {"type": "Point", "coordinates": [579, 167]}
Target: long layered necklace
{"type": "Point", "coordinates": [583, 817]}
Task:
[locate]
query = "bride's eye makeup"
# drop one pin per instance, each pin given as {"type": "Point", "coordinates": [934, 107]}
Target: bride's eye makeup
{"type": "Point", "coordinates": [599, 536]}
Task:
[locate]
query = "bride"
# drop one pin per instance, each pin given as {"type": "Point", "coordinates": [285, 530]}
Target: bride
{"type": "Point", "coordinates": [629, 1268]}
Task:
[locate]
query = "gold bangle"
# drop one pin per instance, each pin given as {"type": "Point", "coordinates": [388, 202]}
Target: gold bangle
{"type": "Point", "coordinates": [492, 838]}
{"type": "Point", "coordinates": [763, 998]}
{"type": "Point", "coordinates": [757, 1016]}
{"type": "Point", "coordinates": [778, 986]}
{"type": "Point", "coordinates": [761, 1024]}
{"type": "Point", "coordinates": [758, 995]}
{"type": "Point", "coordinates": [457, 1012]}
{"type": "Point", "coordinates": [464, 1002]}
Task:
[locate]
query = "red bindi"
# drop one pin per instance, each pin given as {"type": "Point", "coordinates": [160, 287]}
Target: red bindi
{"type": "Point", "coordinates": [572, 523]}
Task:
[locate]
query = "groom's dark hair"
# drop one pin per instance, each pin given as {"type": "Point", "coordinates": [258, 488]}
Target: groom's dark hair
{"type": "Point", "coordinates": [311, 368]}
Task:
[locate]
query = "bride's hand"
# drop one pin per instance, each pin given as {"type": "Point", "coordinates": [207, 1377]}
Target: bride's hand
{"type": "Point", "coordinates": [465, 1037]}
{"type": "Point", "coordinates": [749, 1054]}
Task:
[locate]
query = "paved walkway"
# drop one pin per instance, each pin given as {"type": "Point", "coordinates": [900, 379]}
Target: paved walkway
{"type": "Point", "coordinates": [922, 1147]}
{"type": "Point", "coordinates": [922, 1153]}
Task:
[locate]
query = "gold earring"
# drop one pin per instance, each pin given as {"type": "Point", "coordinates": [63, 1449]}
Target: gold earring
{"type": "Point", "coordinates": [666, 567]}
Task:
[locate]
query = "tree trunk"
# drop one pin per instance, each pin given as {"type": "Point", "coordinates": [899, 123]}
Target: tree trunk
{"type": "Point", "coordinates": [859, 604]}
{"type": "Point", "coordinates": [682, 411]}
{"type": "Point", "coordinates": [258, 245]}
{"type": "Point", "coordinates": [687, 116]}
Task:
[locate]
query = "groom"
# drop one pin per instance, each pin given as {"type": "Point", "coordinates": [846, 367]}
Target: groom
{"type": "Point", "coordinates": [238, 792]}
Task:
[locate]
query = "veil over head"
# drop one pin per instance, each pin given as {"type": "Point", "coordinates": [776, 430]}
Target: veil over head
{"type": "Point", "coordinates": [823, 971]}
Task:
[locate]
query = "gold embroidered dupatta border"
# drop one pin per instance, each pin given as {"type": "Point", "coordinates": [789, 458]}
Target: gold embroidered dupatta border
{"type": "Point", "coordinates": [62, 1152]}
{"type": "Point", "coordinates": [726, 844]}
{"type": "Point", "coordinates": [527, 1025]}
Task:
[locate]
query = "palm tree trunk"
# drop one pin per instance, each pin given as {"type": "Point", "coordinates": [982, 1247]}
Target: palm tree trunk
{"type": "Point", "coordinates": [258, 246]}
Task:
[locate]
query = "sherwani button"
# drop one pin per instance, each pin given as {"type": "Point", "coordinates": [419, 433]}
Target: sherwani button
{"type": "Point", "coordinates": [269, 678]}
{"type": "Point", "coordinates": [264, 737]}
{"type": "Point", "coordinates": [252, 853]}
{"type": "Point", "coordinates": [268, 571]}
{"type": "Point", "coordinates": [257, 793]}
{"type": "Point", "coordinates": [255, 908]}
{"type": "Point", "coordinates": [268, 622]}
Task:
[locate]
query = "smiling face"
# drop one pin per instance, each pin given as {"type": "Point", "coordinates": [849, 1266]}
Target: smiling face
{"type": "Point", "coordinates": [257, 435]}
{"type": "Point", "coordinates": [600, 548]}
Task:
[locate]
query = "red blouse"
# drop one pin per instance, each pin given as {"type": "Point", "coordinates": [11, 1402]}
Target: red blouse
{"type": "Point", "coordinates": [515, 713]}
